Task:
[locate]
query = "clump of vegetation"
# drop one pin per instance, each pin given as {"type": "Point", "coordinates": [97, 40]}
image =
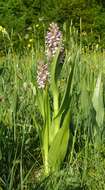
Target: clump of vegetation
{"type": "Point", "coordinates": [22, 18]}
{"type": "Point", "coordinates": [52, 113]}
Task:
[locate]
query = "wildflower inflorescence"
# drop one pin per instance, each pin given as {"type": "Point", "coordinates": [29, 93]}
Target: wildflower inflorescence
{"type": "Point", "coordinates": [42, 74]}
{"type": "Point", "coordinates": [53, 40]}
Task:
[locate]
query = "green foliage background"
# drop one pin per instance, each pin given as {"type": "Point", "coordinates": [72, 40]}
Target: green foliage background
{"type": "Point", "coordinates": [18, 15]}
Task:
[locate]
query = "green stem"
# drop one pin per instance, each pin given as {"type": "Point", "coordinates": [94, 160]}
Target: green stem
{"type": "Point", "coordinates": [46, 154]}
{"type": "Point", "coordinates": [56, 108]}
{"type": "Point", "coordinates": [46, 132]}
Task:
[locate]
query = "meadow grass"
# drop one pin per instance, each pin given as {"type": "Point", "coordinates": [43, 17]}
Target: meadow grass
{"type": "Point", "coordinates": [21, 163]}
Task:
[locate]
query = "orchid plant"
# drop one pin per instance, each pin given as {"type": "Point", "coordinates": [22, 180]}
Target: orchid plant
{"type": "Point", "coordinates": [54, 134]}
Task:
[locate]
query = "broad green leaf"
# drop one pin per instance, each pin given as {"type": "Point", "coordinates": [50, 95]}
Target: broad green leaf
{"type": "Point", "coordinates": [54, 88]}
{"type": "Point", "coordinates": [47, 107]}
{"type": "Point", "coordinates": [54, 71]}
{"type": "Point", "coordinates": [84, 98]}
{"type": "Point", "coordinates": [98, 101]}
{"type": "Point", "coordinates": [67, 94]}
{"type": "Point", "coordinates": [40, 102]}
{"type": "Point", "coordinates": [59, 145]}
{"type": "Point", "coordinates": [47, 113]}
{"type": "Point", "coordinates": [46, 129]}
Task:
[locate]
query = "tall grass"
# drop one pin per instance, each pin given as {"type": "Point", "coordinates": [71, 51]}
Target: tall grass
{"type": "Point", "coordinates": [21, 162]}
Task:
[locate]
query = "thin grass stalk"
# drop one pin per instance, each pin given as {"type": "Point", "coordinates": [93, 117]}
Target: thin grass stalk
{"type": "Point", "coordinates": [21, 166]}
{"type": "Point", "coordinates": [21, 174]}
{"type": "Point", "coordinates": [74, 140]}
{"type": "Point", "coordinates": [14, 110]}
{"type": "Point", "coordinates": [85, 158]}
{"type": "Point", "coordinates": [12, 173]}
